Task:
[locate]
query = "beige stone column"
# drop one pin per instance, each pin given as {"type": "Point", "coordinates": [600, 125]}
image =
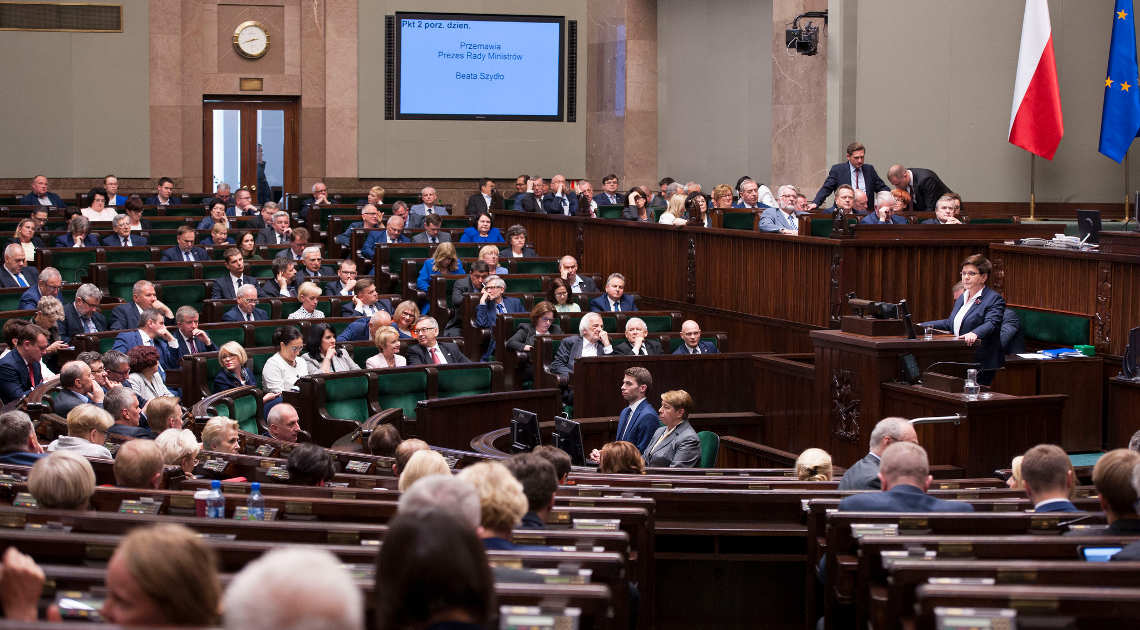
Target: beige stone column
{"type": "Point", "coordinates": [799, 102]}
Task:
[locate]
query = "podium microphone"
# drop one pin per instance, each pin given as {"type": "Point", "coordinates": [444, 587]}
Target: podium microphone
{"type": "Point", "coordinates": [904, 310]}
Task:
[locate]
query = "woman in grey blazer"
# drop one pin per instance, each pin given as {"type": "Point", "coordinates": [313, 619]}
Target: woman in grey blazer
{"type": "Point", "coordinates": [676, 444]}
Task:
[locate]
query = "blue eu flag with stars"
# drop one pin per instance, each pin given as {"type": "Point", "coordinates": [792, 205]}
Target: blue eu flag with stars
{"type": "Point", "coordinates": [1120, 120]}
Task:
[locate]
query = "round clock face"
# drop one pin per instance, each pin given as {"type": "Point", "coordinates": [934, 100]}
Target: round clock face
{"type": "Point", "coordinates": [251, 40]}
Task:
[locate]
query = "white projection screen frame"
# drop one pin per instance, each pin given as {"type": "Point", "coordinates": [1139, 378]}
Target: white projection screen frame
{"type": "Point", "coordinates": [452, 66]}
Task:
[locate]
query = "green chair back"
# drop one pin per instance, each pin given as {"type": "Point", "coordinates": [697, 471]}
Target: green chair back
{"type": "Point", "coordinates": [259, 361]}
{"type": "Point", "coordinates": [402, 391]}
{"type": "Point", "coordinates": [263, 336]}
{"type": "Point", "coordinates": [464, 382]}
{"type": "Point", "coordinates": [176, 297]}
{"type": "Point", "coordinates": [609, 212]}
{"type": "Point", "coordinates": [180, 272]}
{"type": "Point", "coordinates": [534, 266]}
{"type": "Point", "coordinates": [658, 323]}
{"type": "Point", "coordinates": [991, 220]}
{"type": "Point", "coordinates": [710, 444]}
{"type": "Point", "coordinates": [396, 256]}
{"type": "Point", "coordinates": [121, 281]}
{"type": "Point", "coordinates": [185, 212]}
{"type": "Point", "coordinates": [213, 366]}
{"type": "Point", "coordinates": [162, 239]}
{"type": "Point", "coordinates": [9, 301]}
{"type": "Point", "coordinates": [361, 354]}
{"type": "Point", "coordinates": [245, 408]}
{"type": "Point", "coordinates": [105, 343]}
{"type": "Point", "coordinates": [821, 227]}
{"type": "Point", "coordinates": [738, 220]}
{"type": "Point", "coordinates": [347, 398]}
{"type": "Point", "coordinates": [523, 285]}
{"type": "Point", "coordinates": [224, 335]}
{"type": "Point", "coordinates": [325, 307]}
{"type": "Point", "coordinates": [468, 250]}
{"type": "Point", "coordinates": [1054, 328]}
{"type": "Point", "coordinates": [451, 221]}
{"type": "Point", "coordinates": [73, 263]}
{"type": "Point", "coordinates": [135, 254]}
{"type": "Point", "coordinates": [260, 272]}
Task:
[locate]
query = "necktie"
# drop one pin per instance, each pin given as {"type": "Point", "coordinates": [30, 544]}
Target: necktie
{"type": "Point", "coordinates": [20, 280]}
{"type": "Point", "coordinates": [89, 325]}
{"type": "Point", "coordinates": [642, 351]}
{"type": "Point", "coordinates": [857, 178]}
{"type": "Point", "coordinates": [239, 282]}
{"type": "Point", "coordinates": [565, 206]}
{"type": "Point", "coordinates": [31, 375]}
{"type": "Point", "coordinates": [187, 257]}
{"type": "Point", "coordinates": [502, 309]}
{"type": "Point", "coordinates": [617, 307]}
{"type": "Point", "coordinates": [623, 424]}
{"type": "Point", "coordinates": [433, 240]}
{"type": "Point", "coordinates": [126, 242]}
{"type": "Point", "coordinates": [434, 356]}
{"type": "Point", "coordinates": [695, 350]}
{"type": "Point", "coordinates": [190, 347]}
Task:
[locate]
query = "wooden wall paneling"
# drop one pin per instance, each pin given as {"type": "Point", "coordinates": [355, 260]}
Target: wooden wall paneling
{"type": "Point", "coordinates": [793, 417]}
{"type": "Point", "coordinates": [1123, 419]}
{"type": "Point", "coordinates": [1123, 312]}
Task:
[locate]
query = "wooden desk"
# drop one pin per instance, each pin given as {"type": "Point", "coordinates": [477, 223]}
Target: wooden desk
{"type": "Point", "coordinates": [993, 431]}
{"type": "Point", "coordinates": [1123, 417]}
{"type": "Point", "coordinates": [1080, 378]}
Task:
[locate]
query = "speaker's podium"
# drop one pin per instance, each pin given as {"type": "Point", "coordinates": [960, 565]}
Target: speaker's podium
{"type": "Point", "coordinates": [858, 378]}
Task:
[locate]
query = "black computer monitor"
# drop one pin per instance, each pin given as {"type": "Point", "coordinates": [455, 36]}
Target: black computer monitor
{"type": "Point", "coordinates": [1088, 221]}
{"type": "Point", "coordinates": [568, 437]}
{"type": "Point", "coordinates": [524, 431]}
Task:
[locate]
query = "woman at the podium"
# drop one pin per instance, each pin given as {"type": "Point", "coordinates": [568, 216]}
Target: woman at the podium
{"type": "Point", "coordinates": [976, 317]}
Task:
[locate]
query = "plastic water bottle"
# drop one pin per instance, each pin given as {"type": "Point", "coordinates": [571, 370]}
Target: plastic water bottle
{"type": "Point", "coordinates": [971, 388]}
{"type": "Point", "coordinates": [256, 503]}
{"type": "Point", "coordinates": [215, 503]}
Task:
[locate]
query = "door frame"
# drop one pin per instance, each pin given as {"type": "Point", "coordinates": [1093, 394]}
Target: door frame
{"type": "Point", "coordinates": [248, 106]}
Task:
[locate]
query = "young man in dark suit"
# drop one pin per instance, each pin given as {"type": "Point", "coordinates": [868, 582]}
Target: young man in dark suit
{"type": "Point", "coordinates": [429, 351]}
{"type": "Point", "coordinates": [20, 368]}
{"type": "Point", "coordinates": [639, 420]}
{"type": "Point", "coordinates": [855, 172]}
{"type": "Point", "coordinates": [905, 476]}
{"type": "Point", "coordinates": [1048, 476]}
{"type": "Point", "coordinates": [226, 286]}
{"type": "Point", "coordinates": [486, 200]}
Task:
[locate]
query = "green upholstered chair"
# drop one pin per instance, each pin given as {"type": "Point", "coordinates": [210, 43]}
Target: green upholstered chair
{"type": "Point", "coordinates": [1063, 329]}
{"type": "Point", "coordinates": [710, 444]}
{"type": "Point", "coordinates": [609, 212]}
{"type": "Point", "coordinates": [464, 381]}
{"type": "Point", "coordinates": [178, 296]}
{"type": "Point", "coordinates": [10, 301]}
{"type": "Point", "coordinates": [73, 263]}
{"type": "Point", "coordinates": [174, 272]}
{"type": "Point", "coordinates": [739, 221]}
{"type": "Point", "coordinates": [523, 285]}
{"type": "Point", "coordinates": [361, 354]}
{"type": "Point", "coordinates": [226, 334]}
{"type": "Point", "coordinates": [347, 398]}
{"type": "Point", "coordinates": [263, 335]}
{"type": "Point", "coordinates": [121, 280]}
{"type": "Point", "coordinates": [132, 254]}
{"type": "Point", "coordinates": [657, 323]}
{"type": "Point", "coordinates": [245, 411]}
{"type": "Point", "coordinates": [454, 221]}
{"type": "Point", "coordinates": [522, 265]}
{"type": "Point", "coordinates": [402, 390]}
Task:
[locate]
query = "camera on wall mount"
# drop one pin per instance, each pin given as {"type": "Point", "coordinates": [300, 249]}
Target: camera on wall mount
{"type": "Point", "coordinates": [804, 41]}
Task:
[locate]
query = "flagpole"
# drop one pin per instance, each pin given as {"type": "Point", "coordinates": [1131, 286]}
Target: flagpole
{"type": "Point", "coordinates": [1032, 186]}
{"type": "Point", "coordinates": [1127, 194]}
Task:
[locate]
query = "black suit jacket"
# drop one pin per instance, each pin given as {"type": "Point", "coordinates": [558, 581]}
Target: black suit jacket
{"type": "Point", "coordinates": [235, 315]}
{"type": "Point", "coordinates": [476, 204]}
{"type": "Point", "coordinates": [183, 348]}
{"type": "Point", "coordinates": [303, 274]}
{"type": "Point", "coordinates": [14, 379]}
{"type": "Point", "coordinates": [926, 188]}
{"type": "Point", "coordinates": [30, 273]}
{"type": "Point", "coordinates": [863, 475]}
{"type": "Point", "coordinates": [72, 323]}
{"type": "Point", "coordinates": [334, 287]}
{"type": "Point", "coordinates": [270, 289]}
{"type": "Point", "coordinates": [125, 317]}
{"type": "Point", "coordinates": [418, 355]}
{"type": "Point", "coordinates": [268, 236]}
{"type": "Point", "coordinates": [650, 346]}
{"type": "Point", "coordinates": [841, 174]}
{"type": "Point", "coordinates": [530, 203]}
{"type": "Point", "coordinates": [224, 287]}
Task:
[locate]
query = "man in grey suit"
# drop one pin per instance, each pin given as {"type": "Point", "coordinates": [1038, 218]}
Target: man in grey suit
{"type": "Point", "coordinates": [79, 387]}
{"type": "Point", "coordinates": [422, 210]}
{"type": "Point", "coordinates": [591, 341]}
{"type": "Point", "coordinates": [432, 234]}
{"type": "Point", "coordinates": [864, 474]}
{"type": "Point", "coordinates": [783, 219]}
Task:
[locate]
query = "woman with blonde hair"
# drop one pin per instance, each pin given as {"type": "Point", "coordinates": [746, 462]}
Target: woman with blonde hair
{"type": "Point", "coordinates": [814, 464]}
{"type": "Point", "coordinates": [621, 457]}
{"type": "Point", "coordinates": [675, 212]}
{"type": "Point", "coordinates": [179, 448]}
{"type": "Point", "coordinates": [387, 341]}
{"type": "Point", "coordinates": [86, 431]}
{"type": "Point", "coordinates": [722, 196]}
{"type": "Point", "coordinates": [422, 464]}
{"type": "Point", "coordinates": [490, 255]}
{"type": "Point", "coordinates": [443, 260]}
{"type": "Point", "coordinates": [405, 316]}
{"type": "Point", "coordinates": [63, 480]}
{"type": "Point", "coordinates": [1015, 481]}
{"type": "Point", "coordinates": [221, 435]}
{"type": "Point", "coordinates": [502, 503]}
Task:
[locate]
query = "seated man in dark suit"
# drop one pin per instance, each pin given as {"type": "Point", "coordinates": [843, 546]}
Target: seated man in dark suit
{"type": "Point", "coordinates": [568, 270]}
{"type": "Point", "coordinates": [17, 272]}
{"type": "Point", "coordinates": [277, 234]}
{"type": "Point", "coordinates": [429, 351]}
{"type": "Point", "coordinates": [78, 231]}
{"type": "Point", "coordinates": [635, 343]}
{"type": "Point", "coordinates": [844, 200]}
{"type": "Point", "coordinates": [432, 234]}
{"type": "Point", "coordinates": [243, 207]}
{"type": "Point", "coordinates": [492, 302]}
{"type": "Point", "coordinates": [370, 217]}
{"type": "Point", "coordinates": [284, 280]}
{"type": "Point", "coordinates": [1049, 479]}
{"type": "Point", "coordinates": [365, 300]}
{"type": "Point", "coordinates": [123, 237]}
{"type": "Point", "coordinates": [615, 298]}
{"type": "Point", "coordinates": [532, 201]}
{"type": "Point", "coordinates": [473, 283]}
{"type": "Point", "coordinates": [753, 195]}
{"type": "Point", "coordinates": [320, 198]}
{"type": "Point", "coordinates": [592, 341]}
{"type": "Point", "coordinates": [79, 388]}
{"type": "Point", "coordinates": [226, 286]}
{"type": "Point", "coordinates": [151, 332]}
{"type": "Point", "coordinates": [639, 420]}
{"type": "Point", "coordinates": [40, 195]}
{"type": "Point", "coordinates": [486, 200]}
{"type": "Point", "coordinates": [126, 316]}
{"type": "Point", "coordinates": [246, 308]}
{"type": "Point", "coordinates": [539, 482]}
{"type": "Point", "coordinates": [884, 213]}
{"type": "Point", "coordinates": [905, 476]}
{"type": "Point", "coordinates": [609, 195]}
{"type": "Point", "coordinates": [163, 194]}
{"type": "Point", "coordinates": [392, 233]}
{"type": "Point", "coordinates": [923, 185]}
{"type": "Point", "coordinates": [185, 251]}
{"type": "Point", "coordinates": [311, 269]}
{"type": "Point", "coordinates": [345, 279]}
{"type": "Point", "coordinates": [864, 474]}
{"type": "Point", "coordinates": [854, 173]}
{"type": "Point", "coordinates": [82, 315]}
{"type": "Point", "coordinates": [561, 199]}
{"type": "Point", "coordinates": [18, 443]}
{"type": "Point", "coordinates": [49, 283]}
{"type": "Point", "coordinates": [190, 338]}
{"type": "Point", "coordinates": [946, 210]}
{"type": "Point", "coordinates": [20, 367]}
{"type": "Point", "coordinates": [1115, 477]}
{"type": "Point", "coordinates": [691, 335]}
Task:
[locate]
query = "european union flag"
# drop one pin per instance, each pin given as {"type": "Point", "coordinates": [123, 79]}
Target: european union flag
{"type": "Point", "coordinates": [1120, 120]}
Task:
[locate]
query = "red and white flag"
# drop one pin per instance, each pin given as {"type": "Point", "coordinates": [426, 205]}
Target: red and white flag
{"type": "Point", "coordinates": [1035, 123]}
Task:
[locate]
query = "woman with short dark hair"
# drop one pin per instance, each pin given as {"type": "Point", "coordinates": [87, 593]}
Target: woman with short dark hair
{"type": "Point", "coordinates": [310, 465]}
{"type": "Point", "coordinates": [322, 354]}
{"type": "Point", "coordinates": [282, 370]}
{"type": "Point", "coordinates": [976, 317]}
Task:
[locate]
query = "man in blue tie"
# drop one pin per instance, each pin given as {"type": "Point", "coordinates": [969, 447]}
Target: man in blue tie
{"type": "Point", "coordinates": [638, 421]}
{"type": "Point", "coordinates": [185, 251]}
{"type": "Point", "coordinates": [783, 219]}
{"type": "Point", "coordinates": [615, 299]}
{"type": "Point", "coordinates": [82, 315]}
{"type": "Point", "coordinates": [16, 271]}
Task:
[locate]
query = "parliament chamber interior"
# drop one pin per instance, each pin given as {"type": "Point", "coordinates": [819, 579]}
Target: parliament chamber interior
{"type": "Point", "coordinates": [491, 314]}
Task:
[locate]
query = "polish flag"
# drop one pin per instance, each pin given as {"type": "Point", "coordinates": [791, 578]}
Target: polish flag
{"type": "Point", "coordinates": [1035, 123]}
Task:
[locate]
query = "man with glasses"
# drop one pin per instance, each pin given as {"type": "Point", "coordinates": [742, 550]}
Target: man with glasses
{"type": "Point", "coordinates": [17, 272]}
{"type": "Point", "coordinates": [163, 193]}
{"type": "Point", "coordinates": [185, 251]}
{"type": "Point", "coordinates": [345, 279]}
{"type": "Point", "coordinates": [370, 218]}
{"type": "Point", "coordinates": [429, 351]}
{"type": "Point", "coordinates": [122, 237]}
{"type": "Point", "coordinates": [320, 198]}
{"type": "Point", "coordinates": [226, 287]}
{"type": "Point", "coordinates": [49, 283]}
{"type": "Point", "coordinates": [691, 335]}
{"type": "Point", "coordinates": [311, 269]}
{"type": "Point", "coordinates": [492, 303]}
{"type": "Point", "coordinates": [20, 368]}
{"type": "Point", "coordinates": [222, 195]}
{"type": "Point", "coordinates": [82, 315]}
{"type": "Point", "coordinates": [94, 360]}
{"type": "Point", "coordinates": [243, 205]}
{"type": "Point", "coordinates": [245, 310]}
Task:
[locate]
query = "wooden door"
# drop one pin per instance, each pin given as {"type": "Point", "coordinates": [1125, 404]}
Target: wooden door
{"type": "Point", "coordinates": [251, 143]}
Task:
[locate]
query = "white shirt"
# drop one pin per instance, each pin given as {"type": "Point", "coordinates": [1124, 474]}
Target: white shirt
{"type": "Point", "coordinates": [967, 302]}
{"type": "Point", "coordinates": [862, 183]}
{"type": "Point", "coordinates": [379, 361]}
{"type": "Point", "coordinates": [436, 350]}
{"type": "Point", "coordinates": [632, 410]}
{"type": "Point", "coordinates": [279, 376]}
{"type": "Point", "coordinates": [576, 286]}
{"type": "Point", "coordinates": [590, 349]}
{"type": "Point", "coordinates": [487, 198]}
{"type": "Point", "coordinates": [106, 214]}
